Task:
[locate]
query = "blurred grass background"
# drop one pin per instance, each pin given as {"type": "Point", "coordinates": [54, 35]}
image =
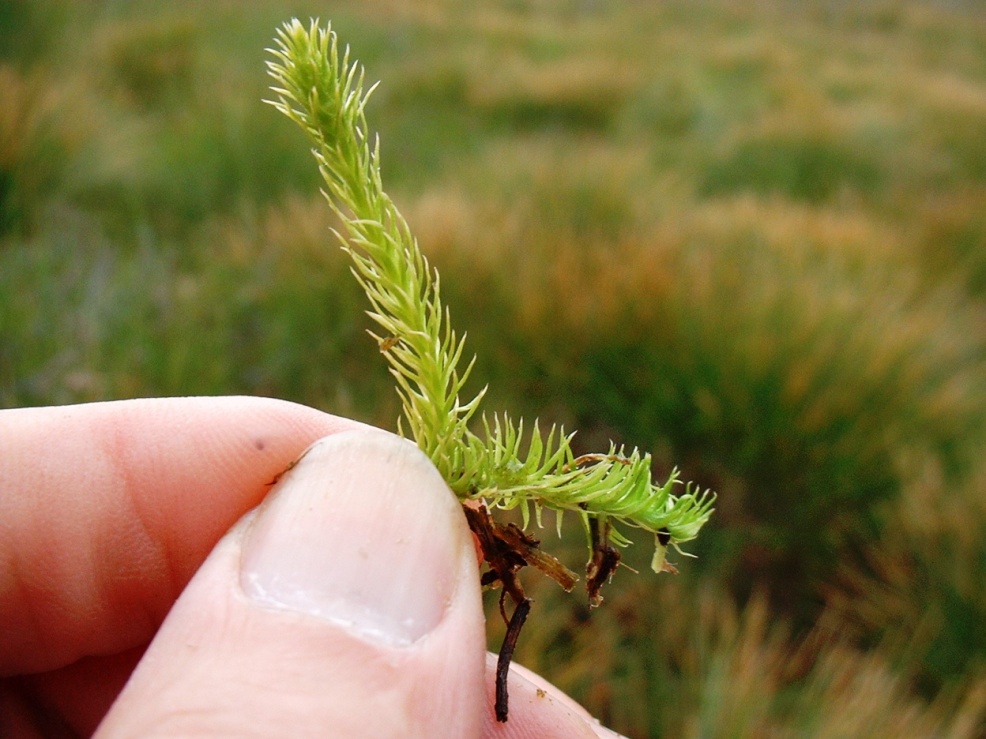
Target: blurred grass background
{"type": "Point", "coordinates": [749, 238]}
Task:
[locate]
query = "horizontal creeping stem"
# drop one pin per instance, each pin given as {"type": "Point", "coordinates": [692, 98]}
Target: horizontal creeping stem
{"type": "Point", "coordinates": [613, 485]}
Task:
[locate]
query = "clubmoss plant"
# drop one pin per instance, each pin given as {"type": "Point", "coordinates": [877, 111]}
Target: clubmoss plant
{"type": "Point", "coordinates": [502, 467]}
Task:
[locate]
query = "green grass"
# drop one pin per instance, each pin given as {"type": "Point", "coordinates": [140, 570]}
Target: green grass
{"type": "Point", "coordinates": [749, 239]}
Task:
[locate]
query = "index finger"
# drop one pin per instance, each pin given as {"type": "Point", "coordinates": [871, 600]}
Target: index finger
{"type": "Point", "coordinates": [107, 509]}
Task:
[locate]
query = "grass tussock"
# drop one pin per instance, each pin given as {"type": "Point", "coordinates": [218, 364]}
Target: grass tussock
{"type": "Point", "coordinates": [792, 363]}
{"type": "Point", "coordinates": [712, 669]}
{"type": "Point", "coordinates": [748, 239]}
{"type": "Point", "coordinates": [34, 145]}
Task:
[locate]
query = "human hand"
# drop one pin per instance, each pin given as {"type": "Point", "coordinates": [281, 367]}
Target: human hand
{"type": "Point", "coordinates": [143, 592]}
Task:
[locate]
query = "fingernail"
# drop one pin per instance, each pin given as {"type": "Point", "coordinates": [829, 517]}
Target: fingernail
{"type": "Point", "coordinates": [362, 532]}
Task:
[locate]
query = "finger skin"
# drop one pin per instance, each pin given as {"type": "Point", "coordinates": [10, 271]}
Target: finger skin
{"type": "Point", "coordinates": [538, 710]}
{"type": "Point", "coordinates": [226, 663]}
{"type": "Point", "coordinates": [70, 701]}
{"type": "Point", "coordinates": [231, 669]}
{"type": "Point", "coordinates": [348, 604]}
{"type": "Point", "coordinates": [106, 510]}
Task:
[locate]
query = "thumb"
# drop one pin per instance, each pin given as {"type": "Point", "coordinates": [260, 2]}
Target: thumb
{"type": "Point", "coordinates": [346, 605]}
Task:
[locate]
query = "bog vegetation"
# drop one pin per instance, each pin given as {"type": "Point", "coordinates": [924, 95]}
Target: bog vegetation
{"type": "Point", "coordinates": [751, 240]}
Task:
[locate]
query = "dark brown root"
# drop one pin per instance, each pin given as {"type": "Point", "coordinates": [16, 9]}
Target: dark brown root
{"type": "Point", "coordinates": [506, 655]}
{"type": "Point", "coordinates": [605, 559]}
{"type": "Point", "coordinates": [507, 549]}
